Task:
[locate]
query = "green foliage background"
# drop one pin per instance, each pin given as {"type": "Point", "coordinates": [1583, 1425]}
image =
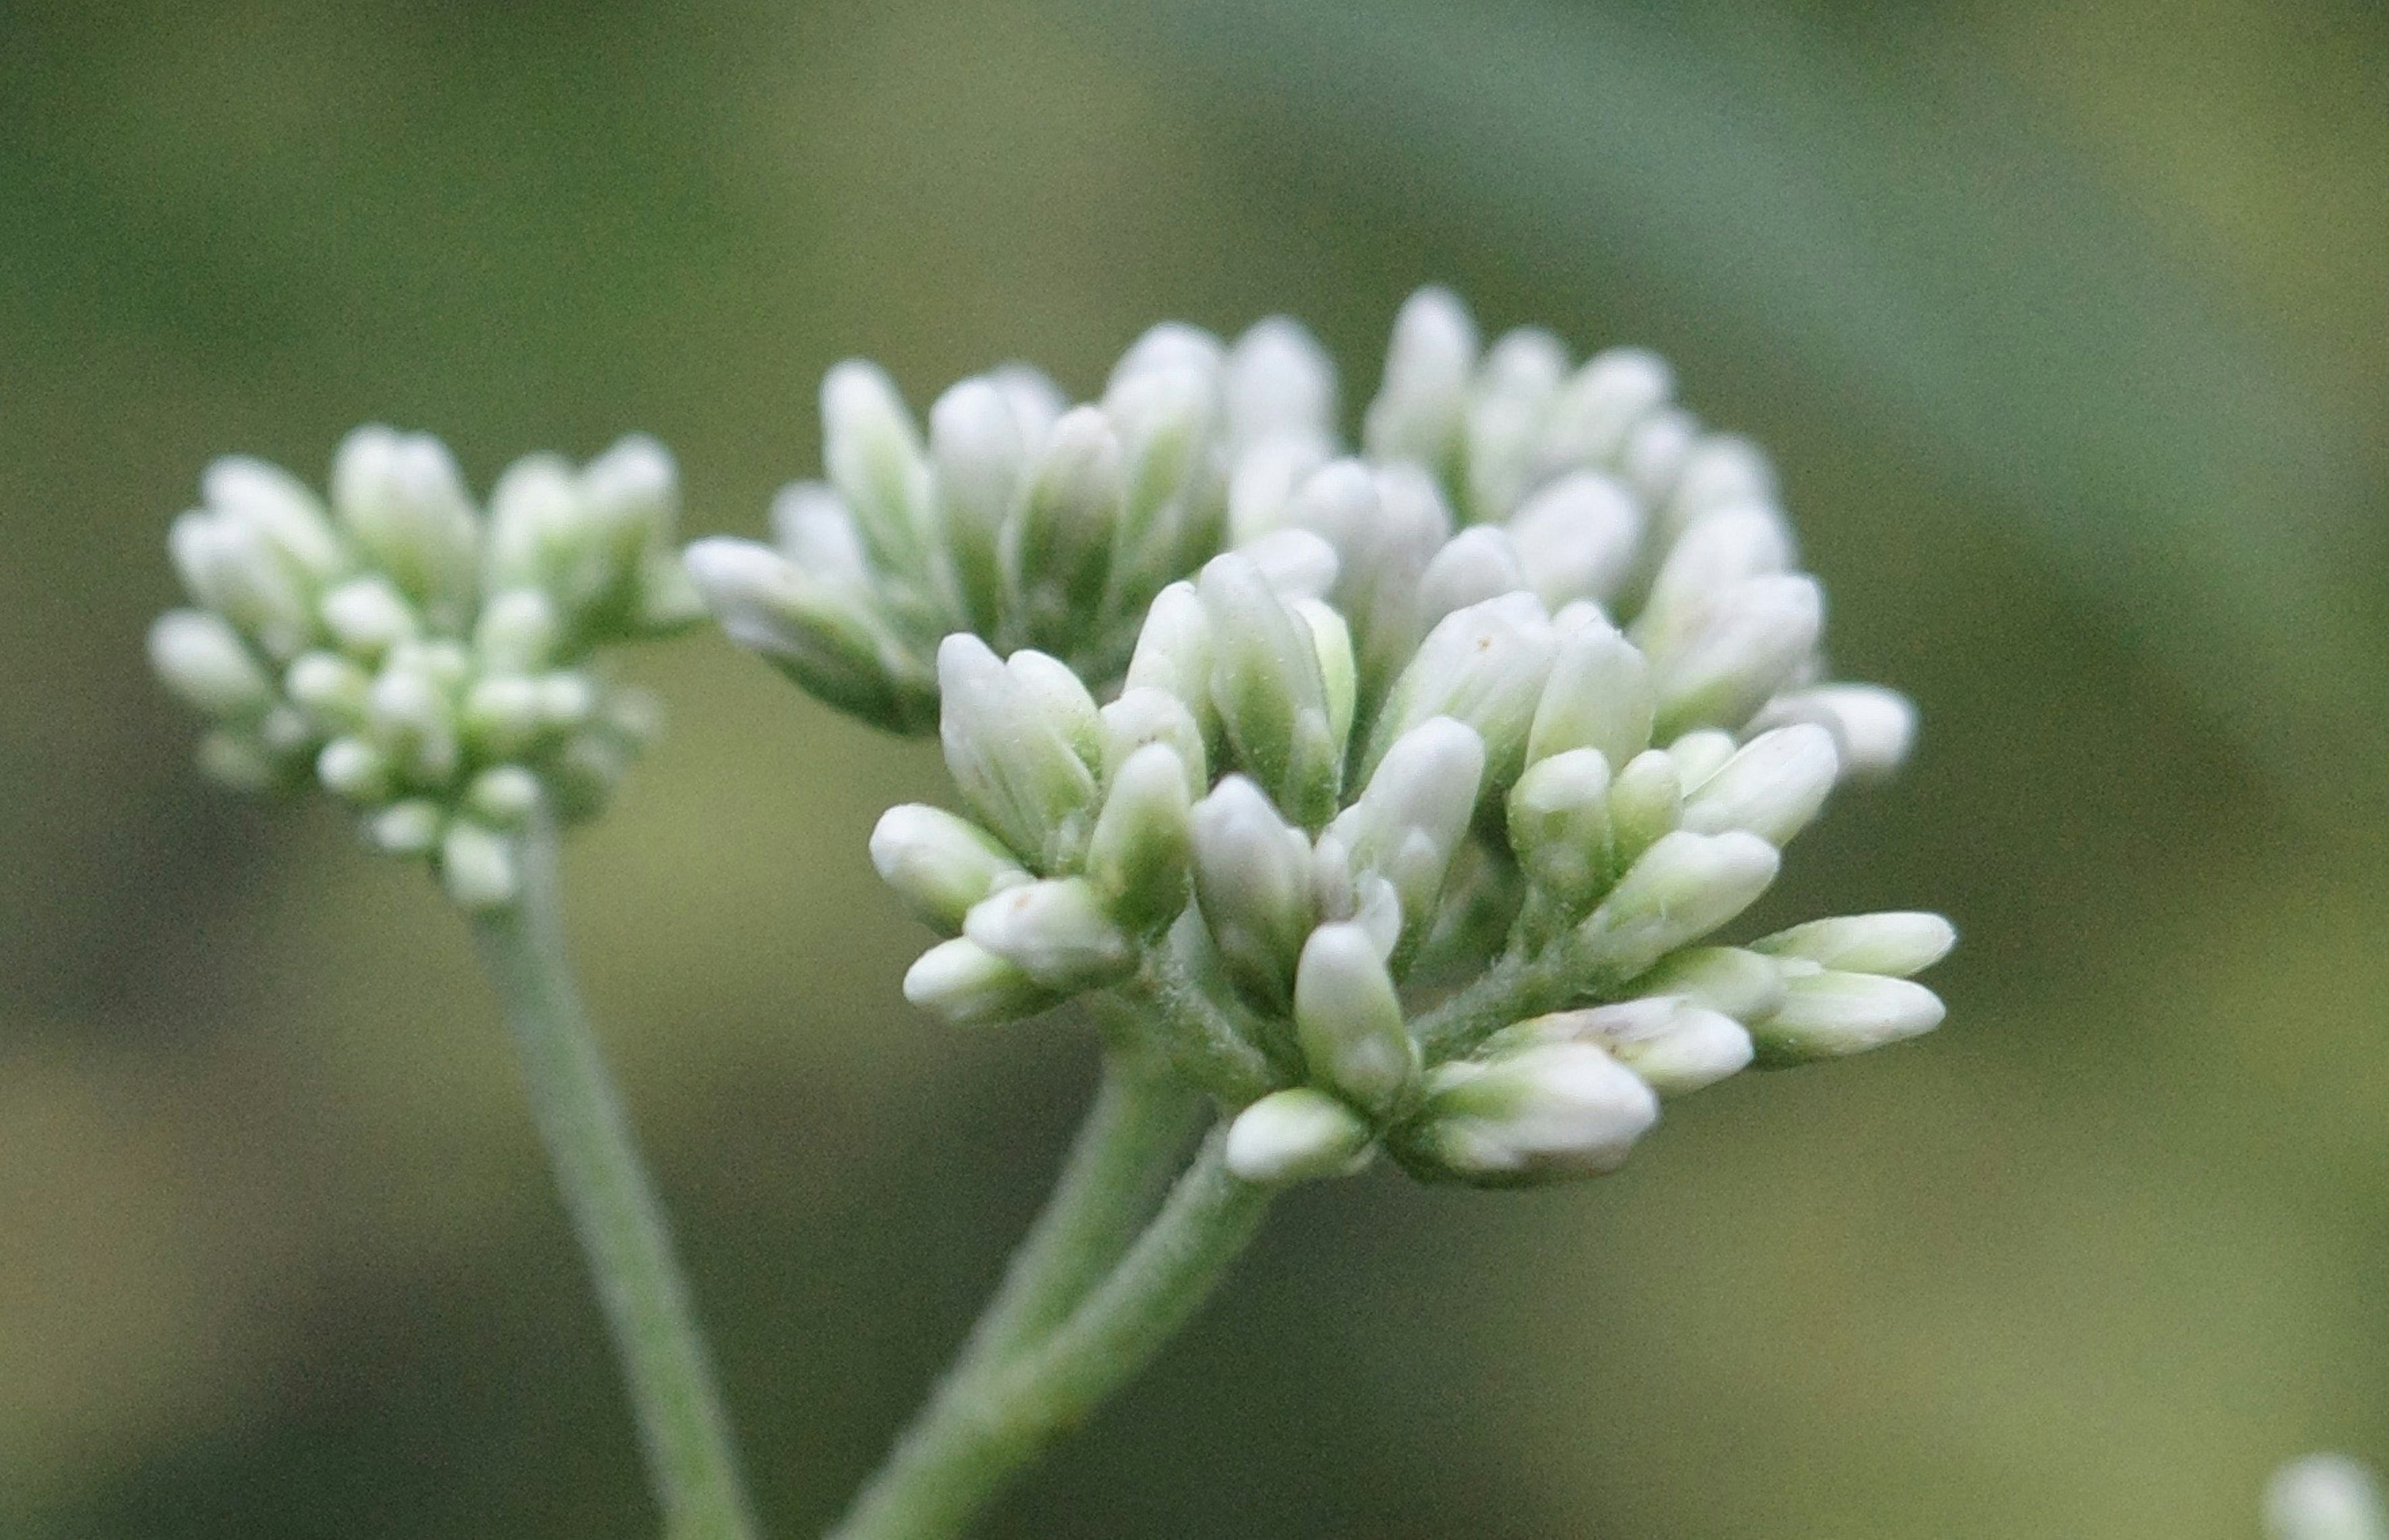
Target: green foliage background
{"type": "Point", "coordinates": [2067, 323]}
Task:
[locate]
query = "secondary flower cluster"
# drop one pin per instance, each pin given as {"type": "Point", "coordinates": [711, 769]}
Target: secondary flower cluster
{"type": "Point", "coordinates": [424, 663]}
{"type": "Point", "coordinates": [1383, 827]}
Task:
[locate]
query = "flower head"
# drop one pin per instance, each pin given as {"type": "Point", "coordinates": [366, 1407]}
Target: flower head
{"type": "Point", "coordinates": [426, 663]}
{"type": "Point", "coordinates": [1408, 820]}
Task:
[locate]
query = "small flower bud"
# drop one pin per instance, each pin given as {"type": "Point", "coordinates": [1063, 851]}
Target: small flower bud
{"type": "Point", "coordinates": [1772, 787]}
{"type": "Point", "coordinates": [501, 716]}
{"type": "Point", "coordinates": [2324, 1497]}
{"type": "Point", "coordinates": [1559, 829]}
{"type": "Point", "coordinates": [1349, 1021]}
{"type": "Point", "coordinates": [1054, 930]}
{"type": "Point", "coordinates": [1417, 412]}
{"type": "Point", "coordinates": [1140, 856]}
{"type": "Point", "coordinates": [980, 454]}
{"type": "Point", "coordinates": [1544, 1113]}
{"type": "Point", "coordinates": [1683, 887]}
{"type": "Point", "coordinates": [1598, 696]}
{"type": "Point", "coordinates": [1013, 750]}
{"type": "Point", "coordinates": [969, 985]}
{"type": "Point", "coordinates": [1297, 564]}
{"type": "Point", "coordinates": [1576, 538]}
{"type": "Point", "coordinates": [279, 506]}
{"type": "Point", "coordinates": [478, 866]}
{"type": "Point", "coordinates": [938, 864]}
{"type": "Point", "coordinates": [812, 527]}
{"type": "Point", "coordinates": [352, 768]}
{"type": "Point", "coordinates": [1411, 818]}
{"type": "Point", "coordinates": [1729, 980]}
{"type": "Point", "coordinates": [1522, 371]}
{"type": "Point", "coordinates": [410, 720]}
{"type": "Point", "coordinates": [1269, 690]}
{"type": "Point", "coordinates": [1485, 665]}
{"type": "Point", "coordinates": [1656, 450]}
{"type": "Point", "coordinates": [873, 454]}
{"type": "Point", "coordinates": [1699, 755]}
{"type": "Point", "coordinates": [1725, 547]}
{"type": "Point", "coordinates": [410, 828]}
{"type": "Point", "coordinates": [1872, 728]}
{"type": "Point", "coordinates": [201, 658]}
{"type": "Point", "coordinates": [1059, 551]}
{"type": "Point", "coordinates": [1142, 716]}
{"type": "Point", "coordinates": [330, 688]}
{"type": "Point", "coordinates": [824, 637]}
{"type": "Point", "coordinates": [1894, 944]}
{"type": "Point", "coordinates": [1827, 1014]}
{"type": "Point", "coordinates": [1645, 802]}
{"type": "Point", "coordinates": [1596, 408]}
{"type": "Point", "coordinates": [1297, 1135]}
{"type": "Point", "coordinates": [1675, 1045]}
{"type": "Point", "coordinates": [1478, 564]}
{"type": "Point", "coordinates": [400, 497]}
{"type": "Point", "coordinates": [518, 632]}
{"type": "Point", "coordinates": [503, 797]}
{"type": "Point", "coordinates": [1279, 383]}
{"type": "Point", "coordinates": [231, 567]}
{"type": "Point", "coordinates": [1722, 470]}
{"type": "Point", "coordinates": [1173, 650]}
{"type": "Point", "coordinates": [367, 616]}
{"type": "Point", "coordinates": [1252, 877]}
{"type": "Point", "coordinates": [1763, 630]}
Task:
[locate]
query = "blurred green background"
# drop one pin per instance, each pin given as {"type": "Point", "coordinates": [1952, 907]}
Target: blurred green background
{"type": "Point", "coordinates": [2068, 326]}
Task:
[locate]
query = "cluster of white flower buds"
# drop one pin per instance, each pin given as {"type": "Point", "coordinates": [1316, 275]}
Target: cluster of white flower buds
{"type": "Point", "coordinates": [1385, 829]}
{"type": "Point", "coordinates": [425, 664]}
{"type": "Point", "coordinates": [2325, 1498]}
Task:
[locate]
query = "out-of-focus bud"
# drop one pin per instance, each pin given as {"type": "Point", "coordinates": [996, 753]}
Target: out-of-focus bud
{"type": "Point", "coordinates": [1559, 829]}
{"type": "Point", "coordinates": [1723, 470]}
{"type": "Point", "coordinates": [1280, 385]}
{"type": "Point", "coordinates": [1656, 450]}
{"type": "Point", "coordinates": [872, 450]}
{"type": "Point", "coordinates": [965, 983]}
{"type": "Point", "coordinates": [1873, 728]}
{"type": "Point", "coordinates": [503, 797]}
{"type": "Point", "coordinates": [1894, 944]}
{"type": "Point", "coordinates": [1598, 696]}
{"type": "Point", "coordinates": [1683, 887]}
{"type": "Point", "coordinates": [1417, 412]}
{"type": "Point", "coordinates": [279, 506]}
{"type": "Point", "coordinates": [400, 497]}
{"type": "Point", "coordinates": [410, 720]}
{"type": "Point", "coordinates": [1055, 930]}
{"type": "Point", "coordinates": [1478, 564]}
{"type": "Point", "coordinates": [1599, 405]}
{"type": "Point", "coordinates": [1645, 802]}
{"type": "Point", "coordinates": [1772, 787]}
{"type": "Point", "coordinates": [1014, 755]}
{"type": "Point", "coordinates": [478, 866]}
{"type": "Point", "coordinates": [2324, 1497]}
{"type": "Point", "coordinates": [1576, 537]}
{"type": "Point", "coordinates": [201, 659]}
{"type": "Point", "coordinates": [1826, 1016]}
{"type": "Point", "coordinates": [1348, 1020]}
{"type": "Point", "coordinates": [1141, 854]}
{"type": "Point", "coordinates": [232, 567]}
{"type": "Point", "coordinates": [1726, 547]}
{"type": "Point", "coordinates": [1058, 552]}
{"type": "Point", "coordinates": [409, 828]}
{"type": "Point", "coordinates": [1297, 1135]}
{"type": "Point", "coordinates": [354, 769]}
{"type": "Point", "coordinates": [1485, 665]}
{"type": "Point", "coordinates": [1269, 691]}
{"type": "Point", "coordinates": [1252, 876]}
{"type": "Point", "coordinates": [1143, 715]}
{"type": "Point", "coordinates": [519, 632]}
{"type": "Point", "coordinates": [941, 865]}
{"type": "Point", "coordinates": [330, 688]}
{"type": "Point", "coordinates": [367, 616]}
{"type": "Point", "coordinates": [824, 637]}
{"type": "Point", "coordinates": [1764, 629]}
{"type": "Point", "coordinates": [1544, 1113]}
{"type": "Point", "coordinates": [1514, 389]}
{"type": "Point", "coordinates": [980, 452]}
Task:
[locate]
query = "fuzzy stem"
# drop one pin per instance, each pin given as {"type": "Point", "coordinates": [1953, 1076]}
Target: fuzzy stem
{"type": "Point", "coordinates": [979, 1431]}
{"type": "Point", "coordinates": [683, 1430]}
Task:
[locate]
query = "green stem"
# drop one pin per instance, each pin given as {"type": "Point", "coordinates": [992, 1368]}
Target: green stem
{"type": "Point", "coordinates": [979, 1431]}
{"type": "Point", "coordinates": [682, 1430]}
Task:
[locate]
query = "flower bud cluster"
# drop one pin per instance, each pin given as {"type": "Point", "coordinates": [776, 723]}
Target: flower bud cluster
{"type": "Point", "coordinates": [425, 663]}
{"type": "Point", "coordinates": [1414, 815]}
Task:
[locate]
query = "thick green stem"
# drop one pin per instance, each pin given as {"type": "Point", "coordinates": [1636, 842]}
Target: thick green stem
{"type": "Point", "coordinates": [682, 1430]}
{"type": "Point", "coordinates": [981, 1430]}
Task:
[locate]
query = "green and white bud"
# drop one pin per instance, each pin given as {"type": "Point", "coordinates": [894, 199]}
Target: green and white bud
{"type": "Point", "coordinates": [1411, 818]}
{"type": "Point", "coordinates": [1485, 665]}
{"type": "Point", "coordinates": [1522, 372]}
{"type": "Point", "coordinates": [535, 519]}
{"type": "Point", "coordinates": [503, 797]}
{"type": "Point", "coordinates": [409, 828]}
{"type": "Point", "coordinates": [1478, 564]}
{"type": "Point", "coordinates": [400, 500]}
{"type": "Point", "coordinates": [232, 567]}
{"type": "Point", "coordinates": [1141, 855]}
{"type": "Point", "coordinates": [1279, 384]}
{"type": "Point", "coordinates": [330, 688]}
{"type": "Point", "coordinates": [1348, 1020]}
{"type": "Point", "coordinates": [1252, 877]}
{"type": "Point", "coordinates": [1726, 547]}
{"type": "Point", "coordinates": [2324, 1497]}
{"type": "Point", "coordinates": [1592, 413]}
{"type": "Point", "coordinates": [1297, 1135]}
{"type": "Point", "coordinates": [941, 865]}
{"type": "Point", "coordinates": [1656, 450]}
{"type": "Point", "coordinates": [1873, 728]}
{"type": "Point", "coordinates": [1676, 1045]}
{"type": "Point", "coordinates": [1013, 752]}
{"type": "Point", "coordinates": [1417, 412]}
{"type": "Point", "coordinates": [519, 632]}
{"type": "Point", "coordinates": [873, 454]}
{"type": "Point", "coordinates": [1056, 931]}
{"type": "Point", "coordinates": [1297, 564]}
{"type": "Point", "coordinates": [1895, 944]}
{"type": "Point", "coordinates": [478, 867]}
{"type": "Point", "coordinates": [1723, 470]}
{"type": "Point", "coordinates": [1826, 1016]}
{"type": "Point", "coordinates": [1173, 650]}
{"type": "Point", "coordinates": [1645, 802]}
{"type": "Point", "coordinates": [367, 616]}
{"type": "Point", "coordinates": [354, 769]}
{"type": "Point", "coordinates": [1270, 691]}
{"type": "Point", "coordinates": [1762, 633]}
{"type": "Point", "coordinates": [1559, 827]}
{"type": "Point", "coordinates": [1576, 538]}
{"type": "Point", "coordinates": [279, 506]}
{"type": "Point", "coordinates": [410, 720]}
{"type": "Point", "coordinates": [1683, 887]}
{"type": "Point", "coordinates": [812, 527]}
{"type": "Point", "coordinates": [824, 637]}
{"type": "Point", "coordinates": [1699, 755]}
{"type": "Point", "coordinates": [1772, 787]}
{"type": "Point", "coordinates": [1058, 555]}
{"type": "Point", "coordinates": [501, 716]}
{"type": "Point", "coordinates": [968, 985]}
{"type": "Point", "coordinates": [1598, 696]}
{"type": "Point", "coordinates": [1545, 1112]}
{"type": "Point", "coordinates": [980, 453]}
{"type": "Point", "coordinates": [1729, 980]}
{"type": "Point", "coordinates": [201, 658]}
{"type": "Point", "coordinates": [1143, 715]}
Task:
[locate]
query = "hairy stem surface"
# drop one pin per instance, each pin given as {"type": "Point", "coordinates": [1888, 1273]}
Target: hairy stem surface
{"type": "Point", "coordinates": [980, 1429]}
{"type": "Point", "coordinates": [682, 1430]}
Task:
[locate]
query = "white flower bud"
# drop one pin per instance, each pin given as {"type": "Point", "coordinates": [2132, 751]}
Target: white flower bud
{"type": "Point", "coordinates": [1485, 665]}
{"type": "Point", "coordinates": [352, 768]}
{"type": "Point", "coordinates": [1596, 408]}
{"type": "Point", "coordinates": [400, 497]}
{"type": "Point", "coordinates": [1059, 552]}
{"type": "Point", "coordinates": [969, 985]}
{"type": "Point", "coordinates": [1522, 372]}
{"type": "Point", "coordinates": [1014, 754]}
{"type": "Point", "coordinates": [568, 698]}
{"type": "Point", "coordinates": [367, 616]}
{"type": "Point", "coordinates": [411, 722]}
{"type": "Point", "coordinates": [873, 454]}
{"type": "Point", "coordinates": [1656, 450]}
{"type": "Point", "coordinates": [503, 797]}
{"type": "Point", "coordinates": [501, 716]}
{"type": "Point", "coordinates": [1049, 690]}
{"type": "Point", "coordinates": [1675, 1045]}
{"type": "Point", "coordinates": [1699, 755]}
{"type": "Point", "coordinates": [1173, 650]}
{"type": "Point", "coordinates": [1411, 818]}
{"type": "Point", "coordinates": [1054, 930]}
{"type": "Point", "coordinates": [1297, 1135]}
{"type": "Point", "coordinates": [409, 828]}
{"type": "Point", "coordinates": [1895, 944]}
{"type": "Point", "coordinates": [230, 566]}
{"type": "Point", "coordinates": [980, 453]}
{"type": "Point", "coordinates": [1297, 564]}
{"type": "Point", "coordinates": [518, 632]}
{"type": "Point", "coordinates": [1168, 347]}
{"type": "Point", "coordinates": [1542, 1113]}
{"type": "Point", "coordinates": [201, 659]}
{"type": "Point", "coordinates": [822, 636]}
{"type": "Point", "coordinates": [1729, 980]}
{"type": "Point", "coordinates": [1576, 538]}
{"type": "Point", "coordinates": [632, 494]}
{"type": "Point", "coordinates": [1331, 643]}
{"type": "Point", "coordinates": [1645, 802]}
{"type": "Point", "coordinates": [279, 506]}
{"type": "Point", "coordinates": [1683, 887]}
{"type": "Point", "coordinates": [330, 688]}
{"type": "Point", "coordinates": [2324, 1497]}
{"type": "Point", "coordinates": [1143, 715]}
{"type": "Point", "coordinates": [1598, 696]}
{"type": "Point", "coordinates": [1763, 632]}
{"type": "Point", "coordinates": [1167, 422]}
{"type": "Point", "coordinates": [478, 866]}
{"type": "Point", "coordinates": [812, 527]}
{"type": "Point", "coordinates": [1262, 483]}
{"type": "Point", "coordinates": [938, 864]}
{"type": "Point", "coordinates": [1141, 854]}
{"type": "Point", "coordinates": [1873, 728]}
{"type": "Point", "coordinates": [1724, 548]}
{"type": "Point", "coordinates": [1478, 564]}
{"type": "Point", "coordinates": [1279, 383]}
{"type": "Point", "coordinates": [1722, 470]}
{"type": "Point", "coordinates": [1559, 829]}
{"type": "Point", "coordinates": [1825, 1015]}
{"type": "Point", "coordinates": [1252, 876]}
{"type": "Point", "coordinates": [1417, 412]}
{"type": "Point", "coordinates": [1772, 787]}
{"type": "Point", "coordinates": [535, 516]}
{"type": "Point", "coordinates": [1348, 1020]}
{"type": "Point", "coordinates": [1269, 691]}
